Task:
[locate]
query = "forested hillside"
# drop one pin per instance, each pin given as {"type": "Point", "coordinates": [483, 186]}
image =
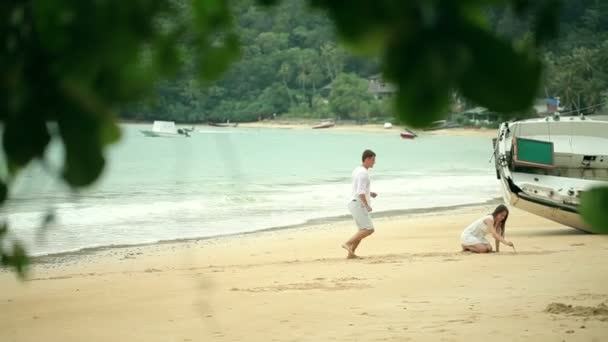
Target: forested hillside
{"type": "Point", "coordinates": [291, 65]}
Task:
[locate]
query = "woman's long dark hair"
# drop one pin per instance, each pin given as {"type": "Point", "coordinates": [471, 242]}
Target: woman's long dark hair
{"type": "Point", "coordinates": [501, 208]}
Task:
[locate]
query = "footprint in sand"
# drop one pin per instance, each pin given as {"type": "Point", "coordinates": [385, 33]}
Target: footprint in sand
{"type": "Point", "coordinates": [598, 312]}
{"type": "Point", "coordinates": [338, 284]}
{"type": "Point", "coordinates": [451, 259]}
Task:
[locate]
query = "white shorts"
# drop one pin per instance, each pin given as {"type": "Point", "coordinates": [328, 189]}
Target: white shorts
{"type": "Point", "coordinates": [360, 214]}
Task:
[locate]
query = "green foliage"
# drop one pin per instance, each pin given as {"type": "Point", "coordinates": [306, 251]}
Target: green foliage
{"type": "Point", "coordinates": [294, 47]}
{"type": "Point", "coordinates": [16, 259]}
{"type": "Point", "coordinates": [579, 76]}
{"type": "Point", "coordinates": [3, 192]}
{"type": "Point", "coordinates": [593, 207]}
{"type": "Point", "coordinates": [66, 66]}
{"type": "Point", "coordinates": [349, 97]}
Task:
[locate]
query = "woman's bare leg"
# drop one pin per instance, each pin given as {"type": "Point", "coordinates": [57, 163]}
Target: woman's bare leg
{"type": "Point", "coordinates": [479, 248]}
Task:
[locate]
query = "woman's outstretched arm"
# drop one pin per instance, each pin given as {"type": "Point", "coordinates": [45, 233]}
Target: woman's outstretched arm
{"type": "Point", "coordinates": [498, 237]}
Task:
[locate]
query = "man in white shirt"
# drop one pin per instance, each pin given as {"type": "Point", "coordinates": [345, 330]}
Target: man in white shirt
{"type": "Point", "coordinates": [360, 203]}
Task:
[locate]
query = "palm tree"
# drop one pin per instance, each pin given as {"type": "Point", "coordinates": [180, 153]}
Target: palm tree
{"type": "Point", "coordinates": [285, 73]}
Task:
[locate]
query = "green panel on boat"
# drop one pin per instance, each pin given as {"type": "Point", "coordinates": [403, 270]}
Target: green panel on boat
{"type": "Point", "coordinates": [537, 152]}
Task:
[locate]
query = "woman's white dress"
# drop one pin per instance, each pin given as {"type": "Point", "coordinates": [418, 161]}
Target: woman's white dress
{"type": "Point", "coordinates": [476, 232]}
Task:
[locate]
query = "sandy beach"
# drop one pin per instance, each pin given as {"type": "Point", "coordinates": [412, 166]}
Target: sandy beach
{"type": "Point", "coordinates": [371, 128]}
{"type": "Point", "coordinates": [412, 284]}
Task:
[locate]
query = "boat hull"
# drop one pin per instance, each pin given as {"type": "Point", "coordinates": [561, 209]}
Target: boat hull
{"type": "Point", "coordinates": [223, 125]}
{"type": "Point", "coordinates": [154, 134]}
{"type": "Point", "coordinates": [566, 215]}
{"type": "Point", "coordinates": [323, 126]}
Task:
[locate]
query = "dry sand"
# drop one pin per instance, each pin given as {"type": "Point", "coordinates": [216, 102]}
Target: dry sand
{"type": "Point", "coordinates": [412, 284]}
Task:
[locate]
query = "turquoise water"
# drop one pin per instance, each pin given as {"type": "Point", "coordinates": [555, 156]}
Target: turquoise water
{"type": "Point", "coordinates": [230, 180]}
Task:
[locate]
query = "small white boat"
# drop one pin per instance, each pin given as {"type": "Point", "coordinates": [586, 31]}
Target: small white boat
{"type": "Point", "coordinates": [166, 129]}
{"type": "Point", "coordinates": [545, 164]}
{"type": "Point", "coordinates": [223, 124]}
{"type": "Point", "coordinates": [388, 125]}
{"type": "Point", "coordinates": [324, 124]}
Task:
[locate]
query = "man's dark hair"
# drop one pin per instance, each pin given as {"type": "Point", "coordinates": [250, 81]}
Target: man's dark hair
{"type": "Point", "coordinates": [367, 154]}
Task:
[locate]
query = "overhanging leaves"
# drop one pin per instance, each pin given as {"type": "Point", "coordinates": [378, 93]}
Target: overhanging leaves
{"type": "Point", "coordinates": [594, 209]}
{"type": "Point", "coordinates": [82, 139]}
{"type": "Point", "coordinates": [19, 149]}
{"type": "Point", "coordinates": [499, 77]}
{"type": "Point", "coordinates": [3, 192]}
{"type": "Point", "coordinates": [16, 259]}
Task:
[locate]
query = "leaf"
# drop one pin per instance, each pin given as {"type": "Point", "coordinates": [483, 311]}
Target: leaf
{"type": "Point", "coordinates": [424, 69]}
{"type": "Point", "coordinates": [547, 21]}
{"type": "Point", "coordinates": [166, 54]}
{"type": "Point", "coordinates": [520, 6]}
{"type": "Point", "coordinates": [3, 192]}
{"type": "Point", "coordinates": [499, 77]}
{"type": "Point", "coordinates": [268, 2]}
{"type": "Point", "coordinates": [593, 208]}
{"type": "Point", "coordinates": [49, 218]}
{"type": "Point", "coordinates": [420, 106]}
{"type": "Point", "coordinates": [24, 140]}
{"type": "Point", "coordinates": [3, 230]}
{"type": "Point", "coordinates": [18, 260]}
{"type": "Point", "coordinates": [355, 19]}
{"type": "Point", "coordinates": [110, 132]}
{"type": "Point", "coordinates": [84, 160]}
{"type": "Point", "coordinates": [371, 43]}
{"type": "Point", "coordinates": [215, 60]}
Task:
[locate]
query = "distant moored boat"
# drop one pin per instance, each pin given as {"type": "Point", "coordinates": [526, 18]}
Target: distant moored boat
{"type": "Point", "coordinates": [407, 134]}
{"type": "Point", "coordinates": [223, 124]}
{"type": "Point", "coordinates": [166, 129]}
{"type": "Point", "coordinates": [324, 124]}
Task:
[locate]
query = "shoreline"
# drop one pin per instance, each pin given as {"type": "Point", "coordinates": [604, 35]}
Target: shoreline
{"type": "Point", "coordinates": [371, 128]}
{"type": "Point", "coordinates": [59, 257]}
{"type": "Point", "coordinates": [339, 127]}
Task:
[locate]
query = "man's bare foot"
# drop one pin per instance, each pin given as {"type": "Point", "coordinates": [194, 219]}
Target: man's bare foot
{"type": "Point", "coordinates": [349, 249]}
{"type": "Point", "coordinates": [353, 256]}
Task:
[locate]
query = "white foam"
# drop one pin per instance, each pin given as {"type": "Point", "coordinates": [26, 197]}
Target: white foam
{"type": "Point", "coordinates": [114, 222]}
